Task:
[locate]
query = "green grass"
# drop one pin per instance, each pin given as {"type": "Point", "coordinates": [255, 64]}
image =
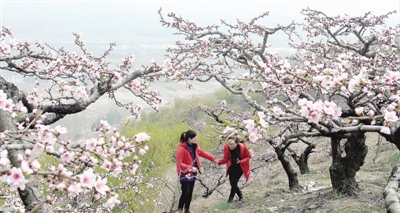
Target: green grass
{"type": "Point", "coordinates": [224, 206]}
{"type": "Point", "coordinates": [336, 195]}
{"type": "Point", "coordinates": [394, 158]}
{"type": "Point", "coordinates": [326, 176]}
{"type": "Point", "coordinates": [386, 177]}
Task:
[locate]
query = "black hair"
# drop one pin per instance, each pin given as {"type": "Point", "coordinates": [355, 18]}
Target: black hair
{"type": "Point", "coordinates": [236, 139]}
{"type": "Point", "coordinates": [186, 135]}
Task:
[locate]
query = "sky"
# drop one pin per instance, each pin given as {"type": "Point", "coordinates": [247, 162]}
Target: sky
{"type": "Point", "coordinates": [137, 22]}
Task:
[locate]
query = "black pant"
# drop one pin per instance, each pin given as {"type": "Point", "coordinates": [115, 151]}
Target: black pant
{"type": "Point", "coordinates": [235, 172]}
{"type": "Point", "coordinates": [187, 191]}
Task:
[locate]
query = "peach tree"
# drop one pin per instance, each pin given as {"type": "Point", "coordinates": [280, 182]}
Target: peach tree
{"type": "Point", "coordinates": [341, 83]}
{"type": "Point", "coordinates": [42, 172]}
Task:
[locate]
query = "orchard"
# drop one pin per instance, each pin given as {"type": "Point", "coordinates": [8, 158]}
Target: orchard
{"type": "Point", "coordinates": [341, 83]}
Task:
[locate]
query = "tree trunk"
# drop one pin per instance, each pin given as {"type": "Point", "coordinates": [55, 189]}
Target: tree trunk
{"type": "Point", "coordinates": [31, 196]}
{"type": "Point", "coordinates": [343, 169]}
{"type": "Point", "coordinates": [290, 171]}
{"type": "Point", "coordinates": [302, 160]}
{"type": "Point", "coordinates": [390, 193]}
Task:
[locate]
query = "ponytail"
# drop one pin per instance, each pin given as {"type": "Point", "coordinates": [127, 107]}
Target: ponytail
{"type": "Point", "coordinates": [186, 135]}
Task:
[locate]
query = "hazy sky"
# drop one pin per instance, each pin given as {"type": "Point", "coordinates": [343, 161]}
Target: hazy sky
{"type": "Point", "coordinates": [136, 27]}
{"type": "Point", "coordinates": [135, 24]}
{"type": "Point", "coordinates": [138, 21]}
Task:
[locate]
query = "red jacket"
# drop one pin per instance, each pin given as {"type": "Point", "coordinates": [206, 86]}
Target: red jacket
{"type": "Point", "coordinates": [244, 162]}
{"type": "Point", "coordinates": [184, 161]}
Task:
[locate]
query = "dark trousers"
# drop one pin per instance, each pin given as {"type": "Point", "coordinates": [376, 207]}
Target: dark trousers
{"type": "Point", "coordinates": [187, 191]}
{"type": "Point", "coordinates": [235, 172]}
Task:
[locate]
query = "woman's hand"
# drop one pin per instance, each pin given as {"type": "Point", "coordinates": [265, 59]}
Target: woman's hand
{"type": "Point", "coordinates": [194, 169]}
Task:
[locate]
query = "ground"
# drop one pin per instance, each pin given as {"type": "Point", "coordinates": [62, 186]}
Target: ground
{"type": "Point", "coordinates": [269, 191]}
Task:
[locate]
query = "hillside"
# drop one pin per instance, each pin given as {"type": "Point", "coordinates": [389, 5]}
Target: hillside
{"type": "Point", "coordinates": [268, 192]}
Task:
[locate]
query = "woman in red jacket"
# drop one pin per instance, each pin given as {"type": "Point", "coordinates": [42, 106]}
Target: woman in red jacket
{"type": "Point", "coordinates": [187, 166]}
{"type": "Point", "coordinates": [237, 158]}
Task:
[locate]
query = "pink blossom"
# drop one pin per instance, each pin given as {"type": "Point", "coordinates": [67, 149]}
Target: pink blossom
{"type": "Point", "coordinates": [142, 151]}
{"type": "Point", "coordinates": [101, 186]}
{"type": "Point", "coordinates": [278, 111]}
{"type": "Point", "coordinates": [167, 64]}
{"type": "Point", "coordinates": [131, 58]}
{"type": "Point", "coordinates": [314, 117]}
{"type": "Point", "coordinates": [66, 88]}
{"type": "Point", "coordinates": [356, 81]}
{"type": "Point", "coordinates": [223, 103]}
{"type": "Point", "coordinates": [249, 124]}
{"type": "Point", "coordinates": [392, 76]}
{"type": "Point", "coordinates": [136, 85]}
{"type": "Point", "coordinates": [112, 201]}
{"type": "Point", "coordinates": [91, 144]}
{"type": "Point", "coordinates": [325, 81]}
{"type": "Point", "coordinates": [371, 113]}
{"type": "Point", "coordinates": [253, 137]}
{"type": "Point", "coordinates": [263, 123]}
{"type": "Point", "coordinates": [87, 179]}
{"type": "Point", "coordinates": [35, 165]}
{"type": "Point", "coordinates": [67, 157]}
{"type": "Point", "coordinates": [228, 130]}
{"type": "Point", "coordinates": [330, 108]}
{"type": "Point", "coordinates": [60, 130]}
{"type": "Point", "coordinates": [25, 167]}
{"type": "Point", "coordinates": [16, 179]}
{"type": "Point", "coordinates": [304, 111]}
{"type": "Point", "coordinates": [116, 171]}
{"type": "Point", "coordinates": [304, 102]}
{"type": "Point", "coordinates": [134, 168]}
{"type": "Point", "coordinates": [140, 137]}
{"type": "Point", "coordinates": [359, 111]}
{"type": "Point", "coordinates": [37, 150]}
{"type": "Point", "coordinates": [8, 105]}
{"type": "Point", "coordinates": [2, 136]}
{"type": "Point", "coordinates": [264, 85]}
{"type": "Point", "coordinates": [391, 107]}
{"type": "Point", "coordinates": [13, 42]}
{"type": "Point", "coordinates": [354, 122]}
{"type": "Point", "coordinates": [385, 130]}
{"type": "Point", "coordinates": [317, 106]}
{"type": "Point", "coordinates": [100, 150]}
{"type": "Point", "coordinates": [61, 186]}
{"type": "Point", "coordinates": [246, 75]}
{"type": "Point", "coordinates": [75, 188]}
{"type": "Point", "coordinates": [391, 116]}
{"type": "Point", "coordinates": [80, 93]}
{"type": "Point", "coordinates": [106, 165]}
{"type": "Point", "coordinates": [4, 161]}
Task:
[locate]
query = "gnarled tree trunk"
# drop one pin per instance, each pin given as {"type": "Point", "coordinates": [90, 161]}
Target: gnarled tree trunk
{"type": "Point", "coordinates": [31, 196]}
{"type": "Point", "coordinates": [343, 169]}
{"type": "Point", "coordinates": [302, 160]}
{"type": "Point", "coordinates": [290, 171]}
